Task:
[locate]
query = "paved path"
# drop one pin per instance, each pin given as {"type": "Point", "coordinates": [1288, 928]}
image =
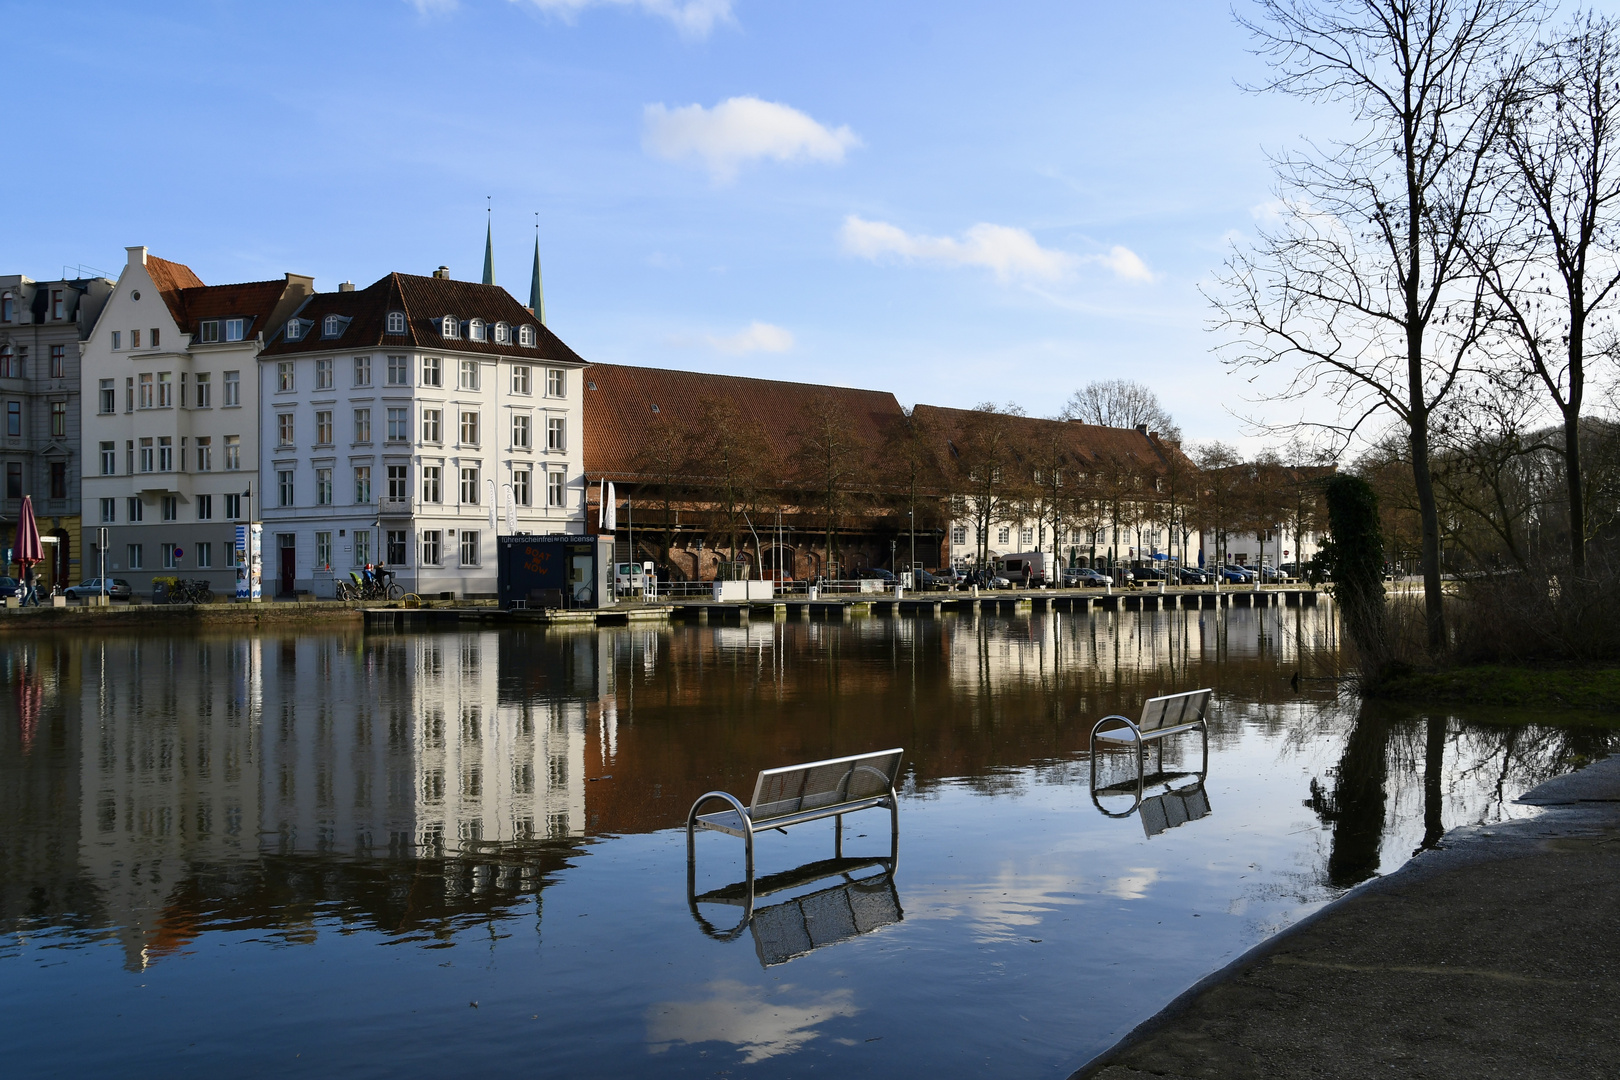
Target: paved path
{"type": "Point", "coordinates": [1496, 956]}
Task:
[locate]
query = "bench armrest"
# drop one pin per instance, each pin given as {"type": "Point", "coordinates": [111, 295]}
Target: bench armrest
{"type": "Point", "coordinates": [1114, 722]}
{"type": "Point", "coordinates": [725, 796]}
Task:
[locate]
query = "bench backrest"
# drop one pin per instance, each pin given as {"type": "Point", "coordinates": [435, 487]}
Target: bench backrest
{"type": "Point", "coordinates": [819, 784]}
{"type": "Point", "coordinates": [1173, 710]}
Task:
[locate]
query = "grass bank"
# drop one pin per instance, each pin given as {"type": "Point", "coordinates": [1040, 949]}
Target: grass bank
{"type": "Point", "coordinates": [1590, 687]}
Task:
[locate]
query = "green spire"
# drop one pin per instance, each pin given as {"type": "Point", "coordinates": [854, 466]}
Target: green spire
{"type": "Point", "coordinates": [489, 254]}
{"type": "Point", "coordinates": [537, 299]}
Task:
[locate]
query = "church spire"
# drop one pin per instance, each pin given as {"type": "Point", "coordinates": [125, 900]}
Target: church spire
{"type": "Point", "coordinates": [537, 298]}
{"type": "Point", "coordinates": [489, 253]}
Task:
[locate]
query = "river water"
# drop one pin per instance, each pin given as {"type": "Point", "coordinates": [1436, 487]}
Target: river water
{"type": "Point", "coordinates": [463, 854]}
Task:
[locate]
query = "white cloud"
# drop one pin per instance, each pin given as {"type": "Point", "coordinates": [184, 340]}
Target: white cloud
{"type": "Point", "coordinates": [738, 130]}
{"type": "Point", "coordinates": [759, 337]}
{"type": "Point", "coordinates": [1011, 254]}
{"type": "Point", "coordinates": [761, 1027]}
{"type": "Point", "coordinates": [693, 18]}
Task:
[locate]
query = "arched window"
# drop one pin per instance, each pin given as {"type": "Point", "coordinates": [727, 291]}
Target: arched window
{"type": "Point", "coordinates": [502, 333]}
{"type": "Point", "coordinates": [332, 326]}
{"type": "Point", "coordinates": [396, 322]}
{"type": "Point", "coordinates": [475, 329]}
{"type": "Point", "coordinates": [295, 330]}
{"type": "Point", "coordinates": [526, 336]}
{"type": "Point", "coordinates": [449, 327]}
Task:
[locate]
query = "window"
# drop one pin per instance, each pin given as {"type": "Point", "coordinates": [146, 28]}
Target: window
{"type": "Point", "coordinates": [205, 390]}
{"type": "Point", "coordinates": [431, 547]}
{"type": "Point", "coordinates": [8, 363]}
{"type": "Point", "coordinates": [129, 456]}
{"type": "Point", "coordinates": [205, 507]}
{"type": "Point", "coordinates": [205, 555]}
{"type": "Point", "coordinates": [526, 336]}
{"type": "Point", "coordinates": [1004, 535]}
{"type": "Point", "coordinates": [1026, 537]}
{"type": "Point", "coordinates": [469, 547]}
{"type": "Point", "coordinates": [362, 371]}
{"type": "Point", "coordinates": [233, 507]}
{"type": "Point", "coordinates": [135, 512]}
{"type": "Point", "coordinates": [430, 371]}
{"type": "Point", "coordinates": [520, 379]}
{"type": "Point", "coordinates": [554, 489]}
{"type": "Point", "coordinates": [398, 479]}
{"type": "Point", "coordinates": [233, 453]}
{"type": "Point", "coordinates": [233, 389]}
{"type": "Point", "coordinates": [117, 339]}
{"type": "Point", "coordinates": [323, 427]}
{"type": "Point", "coordinates": [396, 322]}
{"type": "Point", "coordinates": [8, 309]}
{"type": "Point", "coordinates": [208, 331]}
{"type": "Point", "coordinates": [469, 486]}
{"type": "Point", "coordinates": [323, 551]}
{"type": "Point", "coordinates": [284, 480]}
{"type": "Point", "coordinates": [362, 483]}
{"type": "Point", "coordinates": [362, 546]}
{"type": "Point", "coordinates": [520, 487]}
{"type": "Point", "coordinates": [362, 425]}
{"type": "Point", "coordinates": [475, 330]}
{"type": "Point", "coordinates": [205, 453]}
{"type": "Point", "coordinates": [134, 551]}
{"type": "Point", "coordinates": [469, 427]}
{"type": "Point", "coordinates": [129, 394]}
{"type": "Point", "coordinates": [169, 508]}
{"type": "Point", "coordinates": [503, 333]}
{"type": "Point", "coordinates": [165, 454]}
{"type": "Point", "coordinates": [147, 457]}
{"type": "Point", "coordinates": [154, 337]}
{"type": "Point", "coordinates": [109, 459]}
{"type": "Point", "coordinates": [234, 329]}
{"type": "Point", "coordinates": [323, 374]}
{"type": "Point", "coordinates": [169, 559]}
{"type": "Point", "coordinates": [109, 511]}
{"type": "Point", "coordinates": [394, 553]}
{"type": "Point", "coordinates": [58, 479]}
{"type": "Point", "coordinates": [14, 480]}
{"type": "Point", "coordinates": [399, 425]}
{"type": "Point", "coordinates": [146, 396]}
{"type": "Point", "coordinates": [331, 326]}
{"type": "Point", "coordinates": [520, 431]}
{"type": "Point", "coordinates": [431, 425]}
{"type": "Point", "coordinates": [14, 418]}
{"type": "Point", "coordinates": [556, 433]}
{"type": "Point", "coordinates": [398, 369]}
{"type": "Point", "coordinates": [58, 310]}
{"type": "Point", "coordinates": [449, 327]}
{"type": "Point", "coordinates": [284, 376]}
{"type": "Point", "coordinates": [134, 339]}
{"type": "Point", "coordinates": [165, 390]}
{"type": "Point", "coordinates": [469, 374]}
{"type": "Point", "coordinates": [431, 492]}
{"type": "Point", "coordinates": [58, 361]}
{"type": "Point", "coordinates": [295, 330]}
{"type": "Point", "coordinates": [284, 429]}
{"type": "Point", "coordinates": [323, 487]}
{"type": "Point", "coordinates": [556, 382]}
{"type": "Point", "coordinates": [59, 419]}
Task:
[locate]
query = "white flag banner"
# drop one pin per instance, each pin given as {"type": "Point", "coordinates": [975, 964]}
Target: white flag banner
{"type": "Point", "coordinates": [491, 484]}
{"type": "Point", "coordinates": [511, 512]}
{"type": "Point", "coordinates": [611, 509]}
{"type": "Point", "coordinates": [601, 506]}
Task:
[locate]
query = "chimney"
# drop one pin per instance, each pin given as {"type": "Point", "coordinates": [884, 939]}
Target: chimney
{"type": "Point", "coordinates": [1142, 428]}
{"type": "Point", "coordinates": [137, 256]}
{"type": "Point", "coordinates": [442, 272]}
{"type": "Point", "coordinates": [347, 286]}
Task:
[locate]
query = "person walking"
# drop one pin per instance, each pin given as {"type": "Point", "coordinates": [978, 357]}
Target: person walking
{"type": "Point", "coordinates": [30, 591]}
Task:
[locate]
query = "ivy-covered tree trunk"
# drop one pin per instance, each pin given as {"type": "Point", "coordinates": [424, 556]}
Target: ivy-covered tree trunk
{"type": "Point", "coordinates": [1354, 556]}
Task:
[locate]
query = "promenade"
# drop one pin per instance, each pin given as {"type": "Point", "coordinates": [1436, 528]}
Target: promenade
{"type": "Point", "coordinates": [1493, 956]}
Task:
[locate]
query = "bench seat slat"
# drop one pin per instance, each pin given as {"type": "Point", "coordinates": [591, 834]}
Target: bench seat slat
{"type": "Point", "coordinates": [1127, 735]}
{"type": "Point", "coordinates": [729, 821]}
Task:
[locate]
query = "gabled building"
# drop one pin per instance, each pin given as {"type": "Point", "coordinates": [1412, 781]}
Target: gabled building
{"type": "Point", "coordinates": [171, 421]}
{"type": "Point", "coordinates": [407, 424]}
{"type": "Point", "coordinates": [43, 325]}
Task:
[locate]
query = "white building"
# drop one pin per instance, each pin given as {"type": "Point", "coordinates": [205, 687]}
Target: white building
{"type": "Point", "coordinates": [408, 423]}
{"type": "Point", "coordinates": [169, 389]}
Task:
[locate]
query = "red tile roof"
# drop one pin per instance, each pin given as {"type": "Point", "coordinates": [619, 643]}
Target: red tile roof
{"type": "Point", "coordinates": [170, 278]}
{"type": "Point", "coordinates": [425, 301]}
{"type": "Point", "coordinates": [1085, 443]}
{"type": "Point", "coordinates": [190, 301]}
{"type": "Point", "coordinates": [619, 404]}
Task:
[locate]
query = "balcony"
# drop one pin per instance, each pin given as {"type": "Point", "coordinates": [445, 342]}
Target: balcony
{"type": "Point", "coordinates": [392, 507]}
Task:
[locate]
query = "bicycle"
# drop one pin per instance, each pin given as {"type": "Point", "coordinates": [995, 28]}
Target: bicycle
{"type": "Point", "coordinates": [369, 590]}
{"type": "Point", "coordinates": [192, 592]}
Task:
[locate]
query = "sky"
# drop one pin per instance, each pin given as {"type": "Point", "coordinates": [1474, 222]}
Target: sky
{"type": "Point", "coordinates": [953, 202]}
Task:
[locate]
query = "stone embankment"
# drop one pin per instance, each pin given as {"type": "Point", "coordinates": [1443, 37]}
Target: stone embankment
{"type": "Point", "coordinates": [1494, 956]}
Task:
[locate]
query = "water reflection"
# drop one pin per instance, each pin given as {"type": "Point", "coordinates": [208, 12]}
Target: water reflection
{"type": "Point", "coordinates": [797, 926]}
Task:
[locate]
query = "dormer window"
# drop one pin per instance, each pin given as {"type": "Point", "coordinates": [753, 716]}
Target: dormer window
{"type": "Point", "coordinates": [234, 329]}
{"type": "Point", "coordinates": [396, 322]}
{"type": "Point", "coordinates": [331, 326]}
{"type": "Point", "coordinates": [503, 333]}
{"type": "Point", "coordinates": [208, 331]}
{"type": "Point", "coordinates": [449, 327]}
{"type": "Point", "coordinates": [526, 336]}
{"type": "Point", "coordinates": [475, 330]}
{"type": "Point", "coordinates": [295, 329]}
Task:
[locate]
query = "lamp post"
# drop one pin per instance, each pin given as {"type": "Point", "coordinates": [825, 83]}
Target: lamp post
{"type": "Point", "coordinates": [911, 524]}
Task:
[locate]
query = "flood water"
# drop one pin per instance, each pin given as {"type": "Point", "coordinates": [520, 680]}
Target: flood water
{"type": "Point", "coordinates": [463, 854]}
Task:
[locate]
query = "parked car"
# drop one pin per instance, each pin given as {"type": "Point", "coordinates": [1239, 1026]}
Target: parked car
{"type": "Point", "coordinates": [923, 579]}
{"type": "Point", "coordinates": [1086, 577]}
{"type": "Point", "coordinates": [10, 586]}
{"type": "Point", "coordinates": [1271, 573]}
{"type": "Point", "coordinates": [951, 576]}
{"type": "Point", "coordinates": [1189, 575]}
{"type": "Point", "coordinates": [1149, 573]}
{"type": "Point", "coordinates": [117, 588]}
{"type": "Point", "coordinates": [1233, 575]}
{"type": "Point", "coordinates": [1244, 574]}
{"type": "Point", "coordinates": [873, 573]}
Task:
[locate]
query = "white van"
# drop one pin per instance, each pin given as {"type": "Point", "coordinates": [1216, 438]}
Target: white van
{"type": "Point", "coordinates": [1013, 567]}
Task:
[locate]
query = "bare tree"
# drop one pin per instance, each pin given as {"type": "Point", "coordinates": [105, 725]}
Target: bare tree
{"type": "Point", "coordinates": [828, 459]}
{"type": "Point", "coordinates": [731, 459]}
{"type": "Point", "coordinates": [663, 459]}
{"type": "Point", "coordinates": [1364, 286]}
{"type": "Point", "coordinates": [985, 466]}
{"type": "Point", "coordinates": [1220, 509]}
{"type": "Point", "coordinates": [1120, 403]}
{"type": "Point", "coordinates": [1553, 269]}
{"type": "Point", "coordinates": [911, 470]}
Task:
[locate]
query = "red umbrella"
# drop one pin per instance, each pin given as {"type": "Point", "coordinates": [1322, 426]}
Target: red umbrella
{"type": "Point", "coordinates": [29, 549]}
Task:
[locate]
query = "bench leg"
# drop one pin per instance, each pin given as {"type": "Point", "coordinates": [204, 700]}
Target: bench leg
{"type": "Point", "coordinates": [838, 836]}
{"type": "Point", "coordinates": [748, 843]}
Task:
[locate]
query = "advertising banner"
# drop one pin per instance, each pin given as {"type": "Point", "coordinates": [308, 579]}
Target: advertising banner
{"type": "Point", "coordinates": [249, 561]}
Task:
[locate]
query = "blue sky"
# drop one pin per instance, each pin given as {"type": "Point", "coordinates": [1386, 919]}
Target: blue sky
{"type": "Point", "coordinates": [955, 202]}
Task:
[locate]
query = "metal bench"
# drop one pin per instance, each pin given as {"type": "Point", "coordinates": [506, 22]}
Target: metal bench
{"type": "Point", "coordinates": [782, 931]}
{"type": "Point", "coordinates": [1161, 718]}
{"type": "Point", "coordinates": [795, 794]}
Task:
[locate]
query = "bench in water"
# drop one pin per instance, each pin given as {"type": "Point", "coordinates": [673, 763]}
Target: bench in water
{"type": "Point", "coordinates": [794, 794]}
{"type": "Point", "coordinates": [1161, 718]}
